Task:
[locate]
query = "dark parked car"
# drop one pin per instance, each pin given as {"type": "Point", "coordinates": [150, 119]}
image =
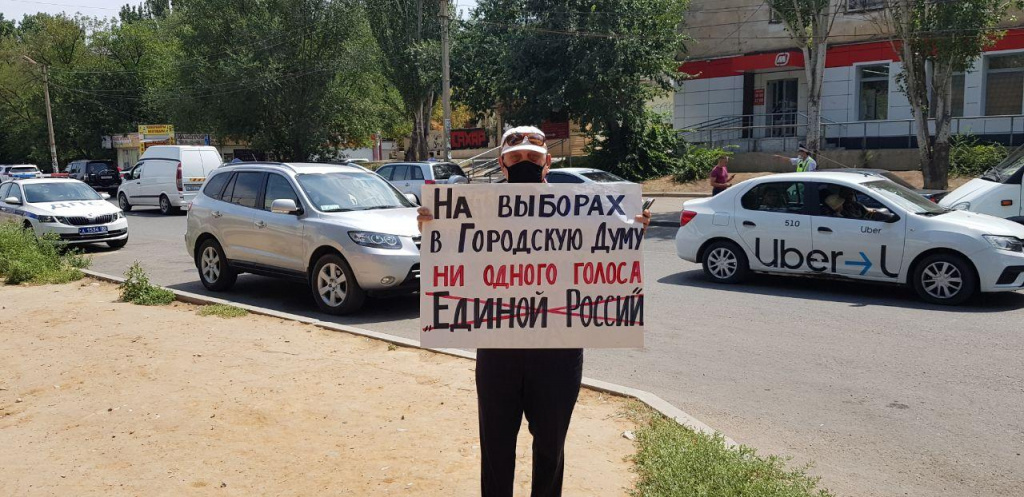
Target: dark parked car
{"type": "Point", "coordinates": [101, 175]}
{"type": "Point", "coordinates": [933, 195]}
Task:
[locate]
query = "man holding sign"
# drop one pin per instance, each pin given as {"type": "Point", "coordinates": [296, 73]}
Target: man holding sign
{"type": "Point", "coordinates": [529, 274]}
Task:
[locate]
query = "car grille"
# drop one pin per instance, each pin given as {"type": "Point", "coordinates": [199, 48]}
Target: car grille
{"type": "Point", "coordinates": [75, 237]}
{"type": "Point", "coordinates": [83, 221]}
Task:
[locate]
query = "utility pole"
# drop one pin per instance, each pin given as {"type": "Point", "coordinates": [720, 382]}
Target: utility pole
{"type": "Point", "coordinates": [49, 113]}
{"type": "Point", "coordinates": [446, 90]}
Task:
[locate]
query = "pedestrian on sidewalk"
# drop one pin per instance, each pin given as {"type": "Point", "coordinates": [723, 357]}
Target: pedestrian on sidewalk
{"type": "Point", "coordinates": [803, 160]}
{"type": "Point", "coordinates": [543, 384]}
{"type": "Point", "coordinates": [720, 178]}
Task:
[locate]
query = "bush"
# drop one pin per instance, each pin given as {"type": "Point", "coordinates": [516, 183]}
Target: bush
{"type": "Point", "coordinates": [644, 148]}
{"type": "Point", "coordinates": [25, 258]}
{"type": "Point", "coordinates": [968, 157]}
{"type": "Point", "coordinates": [673, 460]}
{"type": "Point", "coordinates": [137, 289]}
{"type": "Point", "coordinates": [697, 163]}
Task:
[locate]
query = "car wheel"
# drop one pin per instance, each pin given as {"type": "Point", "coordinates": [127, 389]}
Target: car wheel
{"type": "Point", "coordinates": [335, 287]}
{"type": "Point", "coordinates": [122, 202]}
{"type": "Point", "coordinates": [116, 244]}
{"type": "Point", "coordinates": [214, 271]}
{"type": "Point", "coordinates": [725, 262]}
{"type": "Point", "coordinates": [165, 206]}
{"type": "Point", "coordinates": [946, 279]}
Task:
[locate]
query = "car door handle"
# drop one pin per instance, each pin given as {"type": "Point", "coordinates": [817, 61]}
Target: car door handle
{"type": "Point", "coordinates": [822, 229]}
{"type": "Point", "coordinates": [749, 223]}
{"type": "Point", "coordinates": [216, 214]}
{"type": "Point", "coordinates": [261, 224]}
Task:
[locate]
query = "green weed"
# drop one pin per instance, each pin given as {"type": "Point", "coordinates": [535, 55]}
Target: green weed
{"type": "Point", "coordinates": [138, 290]}
{"type": "Point", "coordinates": [222, 311]}
{"type": "Point", "coordinates": [673, 460]}
{"type": "Point", "coordinates": [26, 258]}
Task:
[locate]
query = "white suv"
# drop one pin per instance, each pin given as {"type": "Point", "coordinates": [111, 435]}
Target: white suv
{"type": "Point", "coordinates": [409, 177]}
{"type": "Point", "coordinates": [340, 229]}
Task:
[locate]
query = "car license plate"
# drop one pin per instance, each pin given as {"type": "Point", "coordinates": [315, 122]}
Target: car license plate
{"type": "Point", "coordinates": [192, 188]}
{"type": "Point", "coordinates": [92, 230]}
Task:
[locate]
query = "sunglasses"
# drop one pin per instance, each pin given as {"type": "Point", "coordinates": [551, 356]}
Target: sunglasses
{"type": "Point", "coordinates": [517, 138]}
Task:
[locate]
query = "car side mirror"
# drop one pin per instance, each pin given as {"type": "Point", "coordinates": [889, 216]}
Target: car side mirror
{"type": "Point", "coordinates": [285, 206]}
{"type": "Point", "coordinates": [105, 195]}
{"type": "Point", "coordinates": [412, 198]}
{"type": "Point", "coordinates": [12, 201]}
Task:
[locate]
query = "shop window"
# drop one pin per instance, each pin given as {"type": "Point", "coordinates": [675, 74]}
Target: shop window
{"type": "Point", "coordinates": [862, 5]}
{"type": "Point", "coordinates": [1004, 85]}
{"type": "Point", "coordinates": [874, 92]}
{"type": "Point", "coordinates": [957, 100]}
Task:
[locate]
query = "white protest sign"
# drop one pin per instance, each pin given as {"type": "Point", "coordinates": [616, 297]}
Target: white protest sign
{"type": "Point", "coordinates": [532, 266]}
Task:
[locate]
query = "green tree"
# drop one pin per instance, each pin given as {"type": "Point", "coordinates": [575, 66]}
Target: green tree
{"type": "Point", "coordinates": [947, 36]}
{"type": "Point", "coordinates": [297, 78]}
{"type": "Point", "coordinates": [809, 23]}
{"type": "Point", "coordinates": [408, 33]}
{"type": "Point", "coordinates": [598, 62]}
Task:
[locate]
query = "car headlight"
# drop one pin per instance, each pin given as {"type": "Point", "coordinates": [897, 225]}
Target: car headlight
{"type": "Point", "coordinates": [51, 220]}
{"type": "Point", "coordinates": [1010, 243]}
{"type": "Point", "coordinates": [961, 206]}
{"type": "Point", "coordinates": [118, 215]}
{"type": "Point", "coordinates": [375, 240]}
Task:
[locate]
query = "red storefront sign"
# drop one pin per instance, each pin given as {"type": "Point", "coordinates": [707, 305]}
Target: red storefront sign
{"type": "Point", "coordinates": [555, 130]}
{"type": "Point", "coordinates": [759, 96]}
{"type": "Point", "coordinates": [469, 138]}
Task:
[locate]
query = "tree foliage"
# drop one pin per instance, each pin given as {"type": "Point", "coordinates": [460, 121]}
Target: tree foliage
{"type": "Point", "coordinates": [409, 35]}
{"type": "Point", "coordinates": [598, 62]}
{"type": "Point", "coordinates": [947, 36]}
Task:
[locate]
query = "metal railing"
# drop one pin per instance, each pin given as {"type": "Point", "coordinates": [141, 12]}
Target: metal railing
{"type": "Point", "coordinates": [764, 136]}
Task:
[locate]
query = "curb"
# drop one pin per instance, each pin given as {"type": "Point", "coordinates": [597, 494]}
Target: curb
{"type": "Point", "coordinates": [648, 398]}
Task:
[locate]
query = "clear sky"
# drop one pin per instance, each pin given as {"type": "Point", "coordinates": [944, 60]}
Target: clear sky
{"type": "Point", "coordinates": [16, 9]}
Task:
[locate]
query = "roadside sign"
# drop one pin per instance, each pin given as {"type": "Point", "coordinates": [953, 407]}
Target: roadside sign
{"type": "Point", "coordinates": [532, 266]}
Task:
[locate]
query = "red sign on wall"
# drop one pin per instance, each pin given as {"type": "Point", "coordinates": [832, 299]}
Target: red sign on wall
{"type": "Point", "coordinates": [555, 130]}
{"type": "Point", "coordinates": [759, 96]}
{"type": "Point", "coordinates": [469, 138]}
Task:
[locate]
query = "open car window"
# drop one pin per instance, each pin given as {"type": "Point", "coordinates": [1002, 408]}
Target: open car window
{"type": "Point", "coordinates": [781, 196]}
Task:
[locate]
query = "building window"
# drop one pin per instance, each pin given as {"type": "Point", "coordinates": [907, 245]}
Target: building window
{"type": "Point", "coordinates": [874, 92]}
{"type": "Point", "coordinates": [956, 102]}
{"type": "Point", "coordinates": [862, 5]}
{"type": "Point", "coordinates": [1004, 85]}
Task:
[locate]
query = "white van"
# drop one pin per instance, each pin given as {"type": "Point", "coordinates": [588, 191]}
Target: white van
{"type": "Point", "coordinates": [167, 176]}
{"type": "Point", "coordinates": [996, 193]}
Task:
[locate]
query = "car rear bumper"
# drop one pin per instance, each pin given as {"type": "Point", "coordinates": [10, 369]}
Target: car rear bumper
{"type": "Point", "coordinates": [688, 242]}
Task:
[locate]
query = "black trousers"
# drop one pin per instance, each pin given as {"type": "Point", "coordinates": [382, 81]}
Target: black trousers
{"type": "Point", "coordinates": [542, 384]}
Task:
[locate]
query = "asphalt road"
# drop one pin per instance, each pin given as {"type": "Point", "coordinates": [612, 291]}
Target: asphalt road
{"type": "Point", "coordinates": [887, 395]}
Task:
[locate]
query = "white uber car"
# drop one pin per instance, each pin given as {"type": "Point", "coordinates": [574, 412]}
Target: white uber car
{"type": "Point", "coordinates": [879, 231]}
{"type": "Point", "coordinates": [66, 207]}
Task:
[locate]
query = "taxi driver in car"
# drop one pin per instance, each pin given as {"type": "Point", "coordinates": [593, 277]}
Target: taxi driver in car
{"type": "Point", "coordinates": [845, 205]}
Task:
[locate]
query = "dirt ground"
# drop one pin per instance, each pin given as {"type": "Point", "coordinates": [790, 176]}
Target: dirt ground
{"type": "Point", "coordinates": [665, 183]}
{"type": "Point", "coordinates": [99, 397]}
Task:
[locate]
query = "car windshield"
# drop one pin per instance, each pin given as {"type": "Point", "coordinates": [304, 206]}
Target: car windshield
{"type": "Point", "coordinates": [1010, 165]}
{"type": "Point", "coordinates": [898, 180]}
{"type": "Point", "coordinates": [601, 177]}
{"type": "Point", "coordinates": [100, 167]}
{"type": "Point", "coordinates": [446, 171]}
{"type": "Point", "coordinates": [904, 197]}
{"type": "Point", "coordinates": [351, 191]}
{"type": "Point", "coordinates": [59, 192]}
{"type": "Point", "coordinates": [26, 169]}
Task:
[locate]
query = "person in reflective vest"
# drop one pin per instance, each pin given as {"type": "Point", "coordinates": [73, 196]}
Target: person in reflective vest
{"type": "Point", "coordinates": [803, 160]}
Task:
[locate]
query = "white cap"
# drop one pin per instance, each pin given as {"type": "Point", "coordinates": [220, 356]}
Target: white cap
{"type": "Point", "coordinates": [525, 145]}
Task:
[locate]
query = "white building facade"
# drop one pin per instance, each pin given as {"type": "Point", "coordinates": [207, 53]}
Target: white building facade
{"type": "Point", "coordinates": [748, 86]}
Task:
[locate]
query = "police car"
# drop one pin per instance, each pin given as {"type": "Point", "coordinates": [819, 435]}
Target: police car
{"type": "Point", "coordinates": [855, 226]}
{"type": "Point", "coordinates": [66, 207]}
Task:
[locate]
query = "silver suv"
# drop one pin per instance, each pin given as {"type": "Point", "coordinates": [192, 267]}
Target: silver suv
{"type": "Point", "coordinates": [342, 230]}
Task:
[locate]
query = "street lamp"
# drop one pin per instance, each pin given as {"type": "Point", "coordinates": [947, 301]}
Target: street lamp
{"type": "Point", "coordinates": [49, 114]}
